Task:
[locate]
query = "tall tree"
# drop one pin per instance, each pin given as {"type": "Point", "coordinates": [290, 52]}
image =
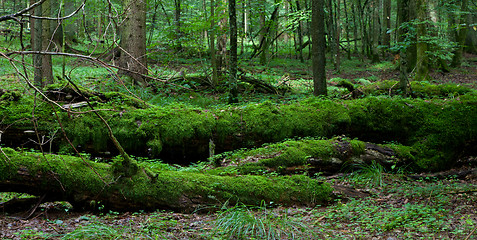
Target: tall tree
{"type": "Point", "coordinates": [41, 41]}
{"type": "Point", "coordinates": [177, 21]}
{"type": "Point", "coordinates": [299, 34]}
{"type": "Point", "coordinates": [387, 23]}
{"type": "Point", "coordinates": [422, 58]}
{"type": "Point", "coordinates": [263, 31]}
{"type": "Point", "coordinates": [233, 52]}
{"type": "Point", "coordinates": [403, 38]}
{"type": "Point", "coordinates": [375, 30]}
{"type": "Point", "coordinates": [318, 47]}
{"type": "Point", "coordinates": [133, 41]}
{"type": "Point", "coordinates": [212, 50]}
{"type": "Point", "coordinates": [460, 34]}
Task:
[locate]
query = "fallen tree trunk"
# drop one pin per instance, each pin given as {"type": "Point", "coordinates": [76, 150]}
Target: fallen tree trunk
{"type": "Point", "coordinates": [440, 130]}
{"type": "Point", "coordinates": [315, 156]}
{"type": "Point", "coordinates": [90, 185]}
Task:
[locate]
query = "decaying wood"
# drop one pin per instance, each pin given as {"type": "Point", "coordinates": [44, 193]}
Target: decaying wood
{"type": "Point", "coordinates": [97, 185]}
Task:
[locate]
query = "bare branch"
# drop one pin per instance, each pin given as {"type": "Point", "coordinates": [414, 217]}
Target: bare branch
{"type": "Point", "coordinates": [94, 60]}
{"type": "Point", "coordinates": [21, 12]}
{"type": "Point", "coordinates": [57, 18]}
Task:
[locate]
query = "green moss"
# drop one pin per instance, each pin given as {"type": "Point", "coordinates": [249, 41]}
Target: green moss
{"type": "Point", "coordinates": [7, 95]}
{"type": "Point", "coordinates": [357, 146]}
{"type": "Point", "coordinates": [279, 156]}
{"type": "Point", "coordinates": [430, 126]}
{"type": "Point", "coordinates": [123, 99]}
{"type": "Point", "coordinates": [19, 114]}
{"type": "Point", "coordinates": [74, 171]}
{"type": "Point", "coordinates": [155, 146]}
{"type": "Point", "coordinates": [421, 89]}
{"type": "Point", "coordinates": [346, 84]}
{"type": "Point", "coordinates": [85, 180]}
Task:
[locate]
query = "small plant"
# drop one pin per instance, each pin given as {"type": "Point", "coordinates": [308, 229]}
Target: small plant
{"type": "Point", "coordinates": [373, 174]}
{"type": "Point", "coordinates": [241, 222]}
{"type": "Point", "coordinates": [94, 231]}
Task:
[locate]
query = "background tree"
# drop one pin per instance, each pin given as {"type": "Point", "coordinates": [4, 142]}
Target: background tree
{"type": "Point", "coordinates": [422, 59]}
{"type": "Point", "coordinates": [133, 41]}
{"type": "Point", "coordinates": [233, 52]}
{"type": "Point", "coordinates": [318, 48]}
{"type": "Point", "coordinates": [460, 33]}
{"type": "Point", "coordinates": [41, 40]}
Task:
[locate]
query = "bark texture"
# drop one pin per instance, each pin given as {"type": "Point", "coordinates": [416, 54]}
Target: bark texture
{"type": "Point", "coordinates": [133, 41]}
{"type": "Point", "coordinates": [318, 48]}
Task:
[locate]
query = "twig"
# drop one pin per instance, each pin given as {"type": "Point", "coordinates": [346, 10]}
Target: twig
{"type": "Point", "coordinates": [470, 234]}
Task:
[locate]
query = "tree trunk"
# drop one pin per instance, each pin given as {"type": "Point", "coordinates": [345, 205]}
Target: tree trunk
{"type": "Point", "coordinates": [212, 50]}
{"type": "Point", "coordinates": [403, 18]}
{"type": "Point", "coordinates": [263, 32]}
{"type": "Point", "coordinates": [411, 50]}
{"type": "Point", "coordinates": [460, 34]}
{"type": "Point", "coordinates": [41, 41]}
{"type": "Point", "coordinates": [222, 39]}
{"type": "Point", "coordinates": [330, 26]}
{"type": "Point", "coordinates": [233, 52]}
{"type": "Point", "coordinates": [95, 186]}
{"type": "Point", "coordinates": [318, 48]}
{"type": "Point", "coordinates": [177, 21]}
{"type": "Point", "coordinates": [318, 156]}
{"type": "Point", "coordinates": [133, 41]}
{"type": "Point", "coordinates": [337, 36]}
{"type": "Point", "coordinates": [387, 23]}
{"type": "Point", "coordinates": [299, 34]}
{"type": "Point", "coordinates": [422, 58]}
{"type": "Point", "coordinates": [355, 28]}
{"type": "Point", "coordinates": [376, 31]}
{"type": "Point", "coordinates": [347, 29]}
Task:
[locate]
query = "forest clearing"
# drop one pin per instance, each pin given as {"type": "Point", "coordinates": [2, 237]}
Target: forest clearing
{"type": "Point", "coordinates": [309, 119]}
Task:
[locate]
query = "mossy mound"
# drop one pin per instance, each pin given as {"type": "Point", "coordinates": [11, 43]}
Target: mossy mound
{"type": "Point", "coordinates": [438, 129]}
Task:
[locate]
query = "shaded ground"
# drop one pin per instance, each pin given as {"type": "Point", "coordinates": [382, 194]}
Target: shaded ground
{"type": "Point", "coordinates": [371, 205]}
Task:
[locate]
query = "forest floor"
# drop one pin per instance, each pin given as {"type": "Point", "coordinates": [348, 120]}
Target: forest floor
{"type": "Point", "coordinates": [368, 205]}
{"type": "Point", "coordinates": [465, 75]}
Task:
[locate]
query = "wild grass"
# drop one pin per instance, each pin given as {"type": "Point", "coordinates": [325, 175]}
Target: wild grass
{"type": "Point", "coordinates": [242, 222]}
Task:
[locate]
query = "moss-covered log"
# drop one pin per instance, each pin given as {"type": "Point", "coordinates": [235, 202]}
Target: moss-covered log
{"type": "Point", "coordinates": [92, 185]}
{"type": "Point", "coordinates": [313, 156]}
{"type": "Point", "coordinates": [440, 130]}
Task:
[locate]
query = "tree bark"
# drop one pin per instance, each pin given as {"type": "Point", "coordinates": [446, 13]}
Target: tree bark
{"type": "Point", "coordinates": [318, 48]}
{"type": "Point", "coordinates": [233, 52]}
{"type": "Point", "coordinates": [133, 41]}
{"type": "Point", "coordinates": [460, 34]}
{"type": "Point", "coordinates": [299, 34]}
{"type": "Point", "coordinates": [402, 19]}
{"type": "Point", "coordinates": [177, 21]}
{"type": "Point", "coordinates": [212, 50]}
{"type": "Point", "coordinates": [41, 41]}
{"type": "Point", "coordinates": [387, 23]}
{"type": "Point", "coordinates": [422, 58]}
